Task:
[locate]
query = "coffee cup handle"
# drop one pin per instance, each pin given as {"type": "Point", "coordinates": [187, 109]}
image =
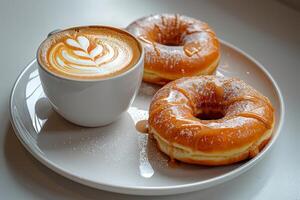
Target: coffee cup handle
{"type": "Point", "coordinates": [53, 32]}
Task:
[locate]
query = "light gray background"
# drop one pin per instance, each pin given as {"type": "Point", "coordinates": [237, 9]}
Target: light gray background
{"type": "Point", "coordinates": [267, 30]}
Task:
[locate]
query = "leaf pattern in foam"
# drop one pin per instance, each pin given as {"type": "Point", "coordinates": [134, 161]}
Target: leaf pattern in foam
{"type": "Point", "coordinates": [81, 53]}
{"type": "Point", "coordinates": [83, 43]}
{"type": "Point", "coordinates": [96, 51]}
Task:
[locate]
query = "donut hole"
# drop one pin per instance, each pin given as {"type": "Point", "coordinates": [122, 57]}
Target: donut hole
{"type": "Point", "coordinates": [210, 114]}
{"type": "Point", "coordinates": [170, 40]}
{"type": "Point", "coordinates": [169, 35]}
{"type": "Point", "coordinates": [170, 44]}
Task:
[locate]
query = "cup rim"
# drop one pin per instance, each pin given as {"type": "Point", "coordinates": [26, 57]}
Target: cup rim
{"type": "Point", "coordinates": [138, 63]}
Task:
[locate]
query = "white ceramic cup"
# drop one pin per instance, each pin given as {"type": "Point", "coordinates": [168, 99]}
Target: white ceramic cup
{"type": "Point", "coordinates": [92, 103]}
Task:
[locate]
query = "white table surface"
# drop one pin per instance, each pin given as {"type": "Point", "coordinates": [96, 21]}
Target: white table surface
{"type": "Point", "coordinates": [268, 30]}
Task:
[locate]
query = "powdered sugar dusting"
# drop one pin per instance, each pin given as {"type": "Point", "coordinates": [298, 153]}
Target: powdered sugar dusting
{"type": "Point", "coordinates": [174, 34]}
{"type": "Point", "coordinates": [246, 111]}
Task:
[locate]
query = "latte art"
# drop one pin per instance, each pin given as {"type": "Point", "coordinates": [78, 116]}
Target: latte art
{"type": "Point", "coordinates": [81, 56]}
{"type": "Point", "coordinates": [90, 53]}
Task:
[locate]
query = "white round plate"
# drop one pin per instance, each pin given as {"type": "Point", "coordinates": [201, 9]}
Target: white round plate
{"type": "Point", "coordinates": [116, 157]}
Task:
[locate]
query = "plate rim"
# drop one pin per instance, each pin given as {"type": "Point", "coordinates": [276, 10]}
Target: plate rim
{"type": "Point", "coordinates": [155, 190]}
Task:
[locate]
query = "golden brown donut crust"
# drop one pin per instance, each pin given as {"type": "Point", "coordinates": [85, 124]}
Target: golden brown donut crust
{"type": "Point", "coordinates": [176, 46]}
{"type": "Point", "coordinates": [241, 132]}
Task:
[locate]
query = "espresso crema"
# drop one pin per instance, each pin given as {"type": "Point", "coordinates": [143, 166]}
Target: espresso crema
{"type": "Point", "coordinates": [92, 52]}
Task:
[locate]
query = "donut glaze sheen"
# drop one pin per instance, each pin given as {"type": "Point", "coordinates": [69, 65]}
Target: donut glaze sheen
{"type": "Point", "coordinates": [210, 120]}
{"type": "Point", "coordinates": [176, 46]}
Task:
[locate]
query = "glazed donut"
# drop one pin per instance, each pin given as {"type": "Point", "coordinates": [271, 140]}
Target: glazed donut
{"type": "Point", "coordinates": [210, 120]}
{"type": "Point", "coordinates": [176, 46]}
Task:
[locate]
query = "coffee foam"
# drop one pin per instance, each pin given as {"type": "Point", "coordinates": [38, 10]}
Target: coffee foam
{"type": "Point", "coordinates": [89, 52]}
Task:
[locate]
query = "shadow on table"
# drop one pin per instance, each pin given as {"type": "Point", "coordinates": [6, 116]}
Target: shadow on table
{"type": "Point", "coordinates": [43, 182]}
